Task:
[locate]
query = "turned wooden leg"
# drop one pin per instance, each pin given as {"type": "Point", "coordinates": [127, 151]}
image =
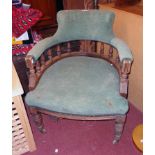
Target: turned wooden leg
{"type": "Point", "coordinates": [37, 117]}
{"type": "Point", "coordinates": [119, 125]}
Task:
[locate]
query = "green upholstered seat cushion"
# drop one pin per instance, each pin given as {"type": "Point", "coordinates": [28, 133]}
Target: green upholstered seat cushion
{"type": "Point", "coordinates": [81, 86]}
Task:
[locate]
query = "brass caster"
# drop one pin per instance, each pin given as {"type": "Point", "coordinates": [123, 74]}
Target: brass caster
{"type": "Point", "coordinates": [42, 130]}
{"type": "Point", "coordinates": [115, 141]}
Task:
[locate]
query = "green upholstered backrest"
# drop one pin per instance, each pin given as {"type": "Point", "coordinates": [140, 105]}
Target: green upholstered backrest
{"type": "Point", "coordinates": [85, 25]}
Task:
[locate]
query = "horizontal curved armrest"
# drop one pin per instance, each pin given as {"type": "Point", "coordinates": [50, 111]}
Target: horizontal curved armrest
{"type": "Point", "coordinates": [40, 47]}
{"type": "Point", "coordinates": [123, 49]}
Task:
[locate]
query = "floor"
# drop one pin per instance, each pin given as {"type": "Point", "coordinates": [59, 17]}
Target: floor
{"type": "Point", "coordinates": [69, 137]}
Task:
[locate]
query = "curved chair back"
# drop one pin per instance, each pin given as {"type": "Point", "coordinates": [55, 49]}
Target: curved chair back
{"type": "Point", "coordinates": [78, 25]}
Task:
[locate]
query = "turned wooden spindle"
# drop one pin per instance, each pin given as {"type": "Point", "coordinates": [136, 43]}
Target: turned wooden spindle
{"type": "Point", "coordinates": [93, 46]}
{"type": "Point", "coordinates": [42, 60]}
{"type": "Point", "coordinates": [49, 53]}
{"type": "Point", "coordinates": [32, 70]}
{"type": "Point", "coordinates": [68, 46]}
{"type": "Point", "coordinates": [88, 46]}
{"type": "Point", "coordinates": [102, 49]}
{"type": "Point", "coordinates": [110, 54]}
{"type": "Point", "coordinates": [117, 59]}
{"type": "Point", "coordinates": [82, 46]}
{"type": "Point", "coordinates": [30, 63]}
{"type": "Point", "coordinates": [58, 49]}
{"type": "Point", "coordinates": [38, 69]}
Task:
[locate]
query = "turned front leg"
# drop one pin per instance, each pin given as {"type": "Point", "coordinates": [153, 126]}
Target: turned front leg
{"type": "Point", "coordinates": [119, 125]}
{"type": "Point", "coordinates": [38, 120]}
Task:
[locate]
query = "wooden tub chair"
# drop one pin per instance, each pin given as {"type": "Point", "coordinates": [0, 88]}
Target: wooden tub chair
{"type": "Point", "coordinates": [81, 83]}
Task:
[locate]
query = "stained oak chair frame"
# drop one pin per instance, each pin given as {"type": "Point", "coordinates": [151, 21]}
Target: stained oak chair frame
{"type": "Point", "coordinates": [38, 67]}
{"type": "Point", "coordinates": [58, 52]}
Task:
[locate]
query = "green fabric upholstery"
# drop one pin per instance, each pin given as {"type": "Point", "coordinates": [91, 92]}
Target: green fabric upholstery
{"type": "Point", "coordinates": [123, 49]}
{"type": "Point", "coordinates": [83, 25]}
{"type": "Point", "coordinates": [79, 85]}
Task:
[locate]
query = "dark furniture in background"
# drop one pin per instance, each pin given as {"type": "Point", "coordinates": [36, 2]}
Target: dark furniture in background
{"type": "Point", "coordinates": [49, 8]}
{"type": "Point", "coordinates": [80, 4]}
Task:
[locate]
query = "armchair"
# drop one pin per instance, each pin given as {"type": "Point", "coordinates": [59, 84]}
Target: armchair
{"type": "Point", "coordinates": [86, 84]}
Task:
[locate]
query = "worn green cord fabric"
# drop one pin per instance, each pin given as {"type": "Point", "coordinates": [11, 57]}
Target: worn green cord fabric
{"type": "Point", "coordinates": [83, 25]}
{"type": "Point", "coordinates": [123, 49]}
{"type": "Point", "coordinates": [81, 86]}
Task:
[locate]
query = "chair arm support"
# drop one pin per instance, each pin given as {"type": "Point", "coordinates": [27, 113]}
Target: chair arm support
{"type": "Point", "coordinates": [126, 59]}
{"type": "Point", "coordinates": [124, 76]}
{"type": "Point", "coordinates": [123, 49]}
{"type": "Point", "coordinates": [30, 64]}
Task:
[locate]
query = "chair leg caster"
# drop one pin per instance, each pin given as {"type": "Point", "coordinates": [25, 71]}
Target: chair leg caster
{"type": "Point", "coordinates": [115, 141]}
{"type": "Point", "coordinates": [42, 129]}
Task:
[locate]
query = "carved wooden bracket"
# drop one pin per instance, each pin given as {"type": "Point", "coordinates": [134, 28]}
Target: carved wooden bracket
{"type": "Point", "coordinates": [32, 75]}
{"type": "Point", "coordinates": [125, 70]}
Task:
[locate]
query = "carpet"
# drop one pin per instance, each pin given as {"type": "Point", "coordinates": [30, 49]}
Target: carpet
{"type": "Point", "coordinates": [70, 137]}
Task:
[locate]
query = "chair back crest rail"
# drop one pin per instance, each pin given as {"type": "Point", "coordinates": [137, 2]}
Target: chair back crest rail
{"type": "Point", "coordinates": [85, 48]}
